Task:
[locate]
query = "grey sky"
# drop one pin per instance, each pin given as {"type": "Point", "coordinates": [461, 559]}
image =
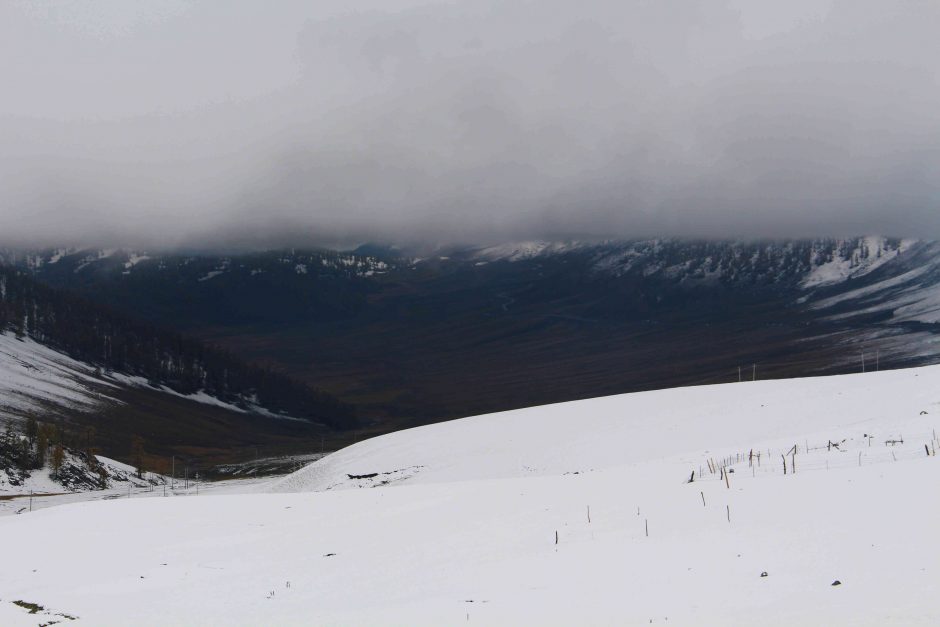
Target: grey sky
{"type": "Point", "coordinates": [248, 122]}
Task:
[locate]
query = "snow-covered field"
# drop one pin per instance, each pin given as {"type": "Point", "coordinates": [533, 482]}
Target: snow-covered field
{"type": "Point", "coordinates": [573, 514]}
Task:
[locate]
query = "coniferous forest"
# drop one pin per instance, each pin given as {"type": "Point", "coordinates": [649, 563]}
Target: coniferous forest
{"type": "Point", "coordinates": [97, 335]}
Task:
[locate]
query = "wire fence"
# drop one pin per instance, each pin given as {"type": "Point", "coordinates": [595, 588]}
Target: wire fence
{"type": "Point", "coordinates": [831, 455]}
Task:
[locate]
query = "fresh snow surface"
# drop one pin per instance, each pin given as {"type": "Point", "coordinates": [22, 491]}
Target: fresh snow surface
{"type": "Point", "coordinates": [572, 514]}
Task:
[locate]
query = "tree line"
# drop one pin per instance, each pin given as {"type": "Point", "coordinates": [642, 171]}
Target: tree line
{"type": "Point", "coordinates": [113, 341]}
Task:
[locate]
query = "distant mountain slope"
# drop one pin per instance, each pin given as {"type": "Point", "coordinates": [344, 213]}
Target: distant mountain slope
{"type": "Point", "coordinates": [905, 291]}
{"type": "Point", "coordinates": [113, 341]}
{"type": "Point", "coordinates": [35, 378]}
{"type": "Point", "coordinates": [413, 336]}
{"type": "Point", "coordinates": [38, 380]}
{"type": "Point", "coordinates": [85, 368]}
{"type": "Point", "coordinates": [106, 410]}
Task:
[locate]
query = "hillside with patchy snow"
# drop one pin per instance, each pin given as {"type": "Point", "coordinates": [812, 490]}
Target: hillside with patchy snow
{"type": "Point", "coordinates": [416, 336]}
{"type": "Point", "coordinates": [669, 507]}
{"type": "Point", "coordinates": [36, 379]}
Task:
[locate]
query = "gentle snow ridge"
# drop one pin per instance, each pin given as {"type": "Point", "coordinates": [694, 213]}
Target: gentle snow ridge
{"type": "Point", "coordinates": [609, 432]}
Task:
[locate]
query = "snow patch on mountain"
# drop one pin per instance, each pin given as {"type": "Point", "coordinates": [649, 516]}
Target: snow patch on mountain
{"type": "Point", "coordinates": [517, 251]}
{"type": "Point", "coordinates": [913, 295]}
{"type": "Point", "coordinates": [844, 262]}
{"type": "Point", "coordinates": [243, 406]}
{"type": "Point", "coordinates": [810, 264]}
{"type": "Point", "coordinates": [33, 376]}
{"type": "Point", "coordinates": [58, 254]}
{"type": "Point", "coordinates": [133, 259]}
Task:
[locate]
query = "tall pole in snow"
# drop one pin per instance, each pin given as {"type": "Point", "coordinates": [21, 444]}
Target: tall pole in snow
{"type": "Point", "coordinates": [754, 372]}
{"type": "Point", "coordinates": [877, 360]}
{"type": "Point", "coordinates": [739, 374]}
{"type": "Point", "coordinates": [863, 361]}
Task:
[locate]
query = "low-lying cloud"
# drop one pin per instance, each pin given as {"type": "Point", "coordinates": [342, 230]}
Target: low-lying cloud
{"type": "Point", "coordinates": [231, 123]}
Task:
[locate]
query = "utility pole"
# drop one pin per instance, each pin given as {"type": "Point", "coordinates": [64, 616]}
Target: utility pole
{"type": "Point", "coordinates": [863, 362]}
{"type": "Point", "coordinates": [754, 372]}
{"type": "Point", "coordinates": [173, 481]}
{"type": "Point", "coordinates": [877, 360]}
{"type": "Point", "coordinates": [739, 374]}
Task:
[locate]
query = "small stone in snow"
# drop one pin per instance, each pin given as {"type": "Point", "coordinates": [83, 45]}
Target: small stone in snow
{"type": "Point", "coordinates": [763, 574]}
{"type": "Point", "coordinates": [836, 583]}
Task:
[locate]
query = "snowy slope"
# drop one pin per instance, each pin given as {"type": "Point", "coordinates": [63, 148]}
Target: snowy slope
{"type": "Point", "coordinates": [608, 432]}
{"type": "Point", "coordinates": [33, 376]}
{"type": "Point", "coordinates": [851, 262]}
{"type": "Point", "coordinates": [579, 513]}
{"type": "Point", "coordinates": [907, 290]}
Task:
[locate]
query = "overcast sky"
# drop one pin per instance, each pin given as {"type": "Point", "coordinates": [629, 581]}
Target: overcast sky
{"type": "Point", "coordinates": [178, 122]}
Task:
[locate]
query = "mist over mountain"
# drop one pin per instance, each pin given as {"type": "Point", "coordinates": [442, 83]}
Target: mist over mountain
{"type": "Point", "coordinates": [213, 125]}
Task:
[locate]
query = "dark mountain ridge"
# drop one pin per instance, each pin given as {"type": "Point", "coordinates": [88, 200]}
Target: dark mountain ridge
{"type": "Point", "coordinates": [470, 330]}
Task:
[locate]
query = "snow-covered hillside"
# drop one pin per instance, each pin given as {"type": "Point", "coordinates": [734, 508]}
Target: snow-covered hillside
{"type": "Point", "coordinates": [910, 294]}
{"type": "Point", "coordinates": [605, 433]}
{"type": "Point", "coordinates": [35, 378]}
{"type": "Point", "coordinates": [581, 513]}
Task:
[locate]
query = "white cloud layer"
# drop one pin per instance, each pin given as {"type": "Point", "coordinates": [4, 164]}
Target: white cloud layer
{"type": "Point", "coordinates": [245, 122]}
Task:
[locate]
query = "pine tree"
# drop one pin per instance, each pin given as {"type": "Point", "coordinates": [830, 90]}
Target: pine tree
{"type": "Point", "coordinates": [32, 429]}
{"type": "Point", "coordinates": [42, 445]}
{"type": "Point", "coordinates": [137, 448]}
{"type": "Point", "coordinates": [58, 458]}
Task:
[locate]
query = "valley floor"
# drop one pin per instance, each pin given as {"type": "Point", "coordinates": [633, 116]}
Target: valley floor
{"type": "Point", "coordinates": [573, 514]}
